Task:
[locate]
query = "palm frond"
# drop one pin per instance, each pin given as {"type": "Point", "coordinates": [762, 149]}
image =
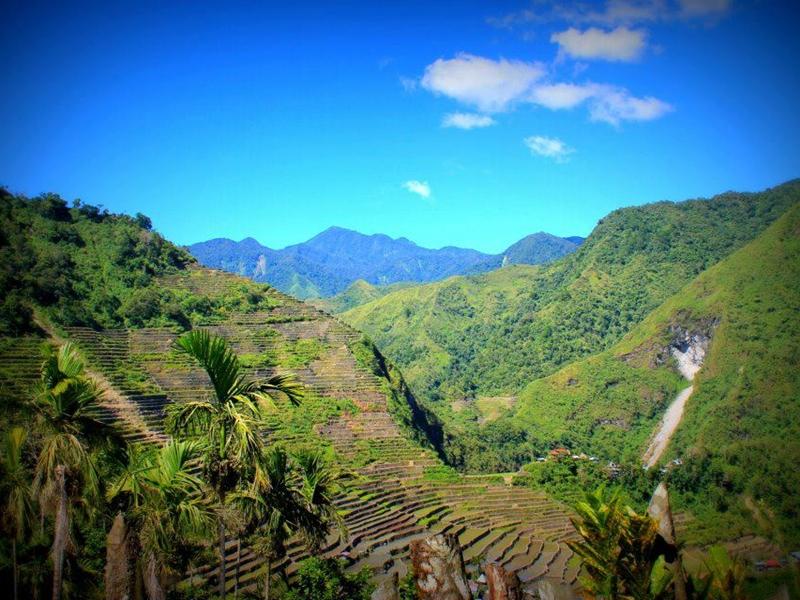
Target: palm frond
{"type": "Point", "coordinates": [285, 384]}
{"type": "Point", "coordinates": [216, 358]}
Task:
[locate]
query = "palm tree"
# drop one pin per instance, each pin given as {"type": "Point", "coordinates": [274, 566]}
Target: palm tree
{"type": "Point", "coordinates": [727, 575]}
{"type": "Point", "coordinates": [166, 507]}
{"type": "Point", "coordinates": [66, 405]}
{"type": "Point", "coordinates": [622, 551]}
{"type": "Point", "coordinates": [15, 487]}
{"type": "Point", "coordinates": [296, 496]}
{"type": "Point", "coordinates": [230, 423]}
{"type": "Point", "coordinates": [319, 482]}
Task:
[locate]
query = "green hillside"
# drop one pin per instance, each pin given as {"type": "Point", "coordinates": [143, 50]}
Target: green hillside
{"type": "Point", "coordinates": [739, 439]}
{"type": "Point", "coordinates": [490, 334]}
{"type": "Point", "coordinates": [358, 293]}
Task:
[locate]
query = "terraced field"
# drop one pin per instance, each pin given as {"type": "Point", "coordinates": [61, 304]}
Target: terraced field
{"type": "Point", "coordinates": [401, 490]}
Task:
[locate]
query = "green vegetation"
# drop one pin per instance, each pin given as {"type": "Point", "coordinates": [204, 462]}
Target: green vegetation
{"type": "Point", "coordinates": [75, 470]}
{"type": "Point", "coordinates": [358, 293]}
{"type": "Point", "coordinates": [83, 266]}
{"type": "Point", "coordinates": [302, 352]}
{"type": "Point", "coordinates": [320, 579]}
{"type": "Point", "coordinates": [164, 511]}
{"type": "Point", "coordinates": [229, 425]}
{"type": "Point", "coordinates": [600, 395]}
{"type": "Point", "coordinates": [628, 555]}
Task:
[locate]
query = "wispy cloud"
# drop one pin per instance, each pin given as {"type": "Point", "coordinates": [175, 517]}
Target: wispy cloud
{"type": "Point", "coordinates": [489, 85]}
{"type": "Point", "coordinates": [409, 83]}
{"type": "Point", "coordinates": [613, 105]}
{"type": "Point", "coordinates": [704, 8]}
{"type": "Point", "coordinates": [549, 147]}
{"type": "Point", "coordinates": [620, 44]}
{"type": "Point", "coordinates": [611, 13]}
{"type": "Point", "coordinates": [421, 188]}
{"type": "Point", "coordinates": [462, 120]}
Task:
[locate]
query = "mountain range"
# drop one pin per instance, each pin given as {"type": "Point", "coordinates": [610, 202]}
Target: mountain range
{"type": "Point", "coordinates": [330, 262]}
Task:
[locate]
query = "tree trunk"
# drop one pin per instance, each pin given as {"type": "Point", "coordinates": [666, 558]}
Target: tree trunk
{"type": "Point", "coordinates": [502, 584]}
{"type": "Point", "coordinates": [119, 574]}
{"type": "Point", "coordinates": [61, 532]}
{"type": "Point", "coordinates": [221, 560]}
{"type": "Point", "coordinates": [661, 512]}
{"type": "Point", "coordinates": [238, 563]}
{"type": "Point", "coordinates": [152, 584]}
{"type": "Point", "coordinates": [14, 565]}
{"type": "Point", "coordinates": [439, 569]}
{"type": "Point", "coordinates": [267, 578]}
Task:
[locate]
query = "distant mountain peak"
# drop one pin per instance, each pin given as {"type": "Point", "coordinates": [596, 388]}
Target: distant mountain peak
{"type": "Point", "coordinates": [337, 257]}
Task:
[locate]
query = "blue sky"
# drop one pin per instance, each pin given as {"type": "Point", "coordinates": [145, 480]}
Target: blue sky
{"type": "Point", "coordinates": [470, 123]}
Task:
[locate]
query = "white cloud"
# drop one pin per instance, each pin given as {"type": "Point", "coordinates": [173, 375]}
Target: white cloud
{"type": "Point", "coordinates": [473, 80]}
{"type": "Point", "coordinates": [606, 103]}
{"type": "Point", "coordinates": [421, 188]}
{"type": "Point", "coordinates": [558, 96]}
{"type": "Point", "coordinates": [616, 12]}
{"type": "Point", "coordinates": [612, 105]}
{"type": "Point", "coordinates": [620, 44]}
{"type": "Point", "coordinates": [490, 85]}
{"type": "Point", "coordinates": [548, 147]}
{"type": "Point", "coordinates": [467, 120]}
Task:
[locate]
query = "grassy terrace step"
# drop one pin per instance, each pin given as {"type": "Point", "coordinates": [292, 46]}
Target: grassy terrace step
{"type": "Point", "coordinates": [20, 366]}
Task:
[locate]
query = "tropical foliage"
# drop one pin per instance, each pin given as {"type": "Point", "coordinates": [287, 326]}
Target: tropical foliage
{"type": "Point", "coordinates": [229, 424]}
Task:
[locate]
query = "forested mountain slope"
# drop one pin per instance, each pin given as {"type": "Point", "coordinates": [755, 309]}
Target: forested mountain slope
{"type": "Point", "coordinates": [739, 438]}
{"type": "Point", "coordinates": [328, 263]}
{"type": "Point", "coordinates": [490, 334]}
{"type": "Point", "coordinates": [358, 293]}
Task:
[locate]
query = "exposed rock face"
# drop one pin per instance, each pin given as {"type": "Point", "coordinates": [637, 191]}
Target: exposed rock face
{"type": "Point", "coordinates": [502, 584]}
{"type": "Point", "coordinates": [119, 566]}
{"type": "Point", "coordinates": [439, 569]}
{"type": "Point", "coordinates": [386, 590]}
{"type": "Point", "coordinates": [547, 590]}
{"type": "Point", "coordinates": [689, 346]}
